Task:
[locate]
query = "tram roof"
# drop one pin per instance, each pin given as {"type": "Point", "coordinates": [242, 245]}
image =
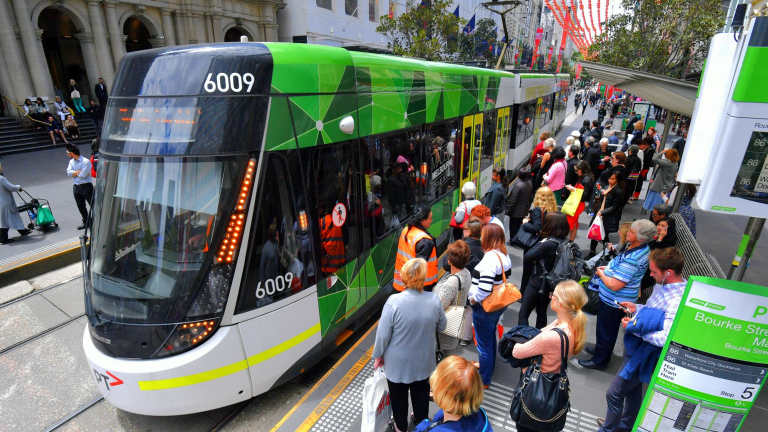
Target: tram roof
{"type": "Point", "coordinates": [672, 94]}
{"type": "Point", "coordinates": [327, 69]}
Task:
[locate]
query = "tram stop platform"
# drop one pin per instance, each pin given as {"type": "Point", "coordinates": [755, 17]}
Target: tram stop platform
{"type": "Point", "coordinates": [335, 401]}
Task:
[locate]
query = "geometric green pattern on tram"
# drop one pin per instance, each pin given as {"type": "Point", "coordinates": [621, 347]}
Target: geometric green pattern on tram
{"type": "Point", "coordinates": [279, 137]}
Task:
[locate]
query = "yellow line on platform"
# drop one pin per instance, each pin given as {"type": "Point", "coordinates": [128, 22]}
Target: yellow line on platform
{"type": "Point", "coordinates": [39, 257]}
{"type": "Point", "coordinates": [336, 391]}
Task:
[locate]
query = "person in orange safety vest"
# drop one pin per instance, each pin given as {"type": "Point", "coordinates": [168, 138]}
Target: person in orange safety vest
{"type": "Point", "coordinates": [416, 242]}
{"type": "Point", "coordinates": [332, 243]}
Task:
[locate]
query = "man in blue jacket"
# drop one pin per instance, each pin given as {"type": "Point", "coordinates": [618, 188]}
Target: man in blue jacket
{"type": "Point", "coordinates": [647, 327]}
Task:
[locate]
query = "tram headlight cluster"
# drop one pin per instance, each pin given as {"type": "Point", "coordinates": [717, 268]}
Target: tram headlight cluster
{"type": "Point", "coordinates": [188, 335]}
{"type": "Point", "coordinates": [233, 235]}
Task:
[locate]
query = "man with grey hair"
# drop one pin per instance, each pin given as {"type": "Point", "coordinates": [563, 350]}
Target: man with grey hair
{"type": "Point", "coordinates": [619, 282]}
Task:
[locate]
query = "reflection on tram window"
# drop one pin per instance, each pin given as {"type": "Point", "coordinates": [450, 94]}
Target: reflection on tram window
{"type": "Point", "coordinates": [183, 125]}
{"type": "Point", "coordinates": [154, 234]}
{"type": "Point", "coordinates": [489, 140]}
{"type": "Point", "coordinates": [335, 181]}
{"type": "Point", "coordinates": [280, 256]}
{"type": "Point", "coordinates": [525, 121]}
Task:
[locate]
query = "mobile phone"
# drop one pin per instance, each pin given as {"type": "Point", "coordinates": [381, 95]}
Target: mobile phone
{"type": "Point", "coordinates": [622, 307]}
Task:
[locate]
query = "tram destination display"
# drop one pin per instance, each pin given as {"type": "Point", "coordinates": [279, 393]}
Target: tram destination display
{"type": "Point", "coordinates": [752, 179]}
{"type": "Point", "coordinates": [714, 363]}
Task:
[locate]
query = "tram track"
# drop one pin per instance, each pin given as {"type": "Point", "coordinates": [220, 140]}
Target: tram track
{"type": "Point", "coordinates": [71, 416]}
{"type": "Point", "coordinates": [231, 415]}
{"type": "Point", "coordinates": [37, 292]}
{"type": "Point", "coordinates": [36, 336]}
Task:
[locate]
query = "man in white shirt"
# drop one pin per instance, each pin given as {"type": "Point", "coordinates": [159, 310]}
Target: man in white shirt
{"type": "Point", "coordinates": [79, 169]}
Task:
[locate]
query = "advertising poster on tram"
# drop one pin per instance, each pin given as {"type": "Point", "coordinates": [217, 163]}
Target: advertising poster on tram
{"type": "Point", "coordinates": [714, 362]}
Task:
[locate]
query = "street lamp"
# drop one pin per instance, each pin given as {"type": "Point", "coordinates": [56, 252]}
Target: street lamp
{"type": "Point", "coordinates": [502, 8]}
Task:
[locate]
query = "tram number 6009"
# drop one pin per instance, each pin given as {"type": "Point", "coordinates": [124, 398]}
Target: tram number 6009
{"type": "Point", "coordinates": [233, 82]}
{"type": "Point", "coordinates": [274, 285]}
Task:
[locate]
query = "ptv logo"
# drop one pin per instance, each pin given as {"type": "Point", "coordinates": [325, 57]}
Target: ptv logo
{"type": "Point", "coordinates": [107, 379]}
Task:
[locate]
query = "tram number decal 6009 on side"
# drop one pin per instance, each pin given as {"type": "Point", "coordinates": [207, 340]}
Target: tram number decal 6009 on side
{"type": "Point", "coordinates": [274, 285]}
{"type": "Point", "coordinates": [225, 83]}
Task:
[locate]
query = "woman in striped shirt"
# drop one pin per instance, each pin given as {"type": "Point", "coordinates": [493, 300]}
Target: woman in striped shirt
{"type": "Point", "coordinates": [488, 273]}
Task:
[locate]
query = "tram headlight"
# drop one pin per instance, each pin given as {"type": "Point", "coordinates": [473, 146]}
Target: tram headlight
{"type": "Point", "coordinates": [188, 335]}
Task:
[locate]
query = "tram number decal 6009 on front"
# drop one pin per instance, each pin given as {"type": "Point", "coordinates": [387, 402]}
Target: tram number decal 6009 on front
{"type": "Point", "coordinates": [274, 285]}
{"type": "Point", "coordinates": [232, 82]}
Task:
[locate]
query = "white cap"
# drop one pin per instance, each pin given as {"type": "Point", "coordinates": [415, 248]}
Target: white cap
{"type": "Point", "coordinates": [468, 189]}
{"type": "Point", "coordinates": [375, 180]}
{"type": "Point", "coordinates": [576, 134]}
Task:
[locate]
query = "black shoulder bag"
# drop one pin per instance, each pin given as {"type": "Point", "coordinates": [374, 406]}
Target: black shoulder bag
{"type": "Point", "coordinates": [542, 402]}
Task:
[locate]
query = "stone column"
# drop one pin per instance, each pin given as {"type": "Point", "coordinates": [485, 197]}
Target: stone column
{"type": "Point", "coordinates": [13, 59]}
{"type": "Point", "coordinates": [181, 28]}
{"type": "Point", "coordinates": [91, 62]}
{"type": "Point", "coordinates": [197, 23]}
{"type": "Point", "coordinates": [118, 48]}
{"type": "Point", "coordinates": [33, 49]}
{"type": "Point", "coordinates": [271, 32]}
{"type": "Point", "coordinates": [218, 32]}
{"type": "Point", "coordinates": [103, 55]}
{"type": "Point", "coordinates": [170, 36]}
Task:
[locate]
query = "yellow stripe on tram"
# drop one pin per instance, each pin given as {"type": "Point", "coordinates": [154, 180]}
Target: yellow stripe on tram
{"type": "Point", "coordinates": [230, 369]}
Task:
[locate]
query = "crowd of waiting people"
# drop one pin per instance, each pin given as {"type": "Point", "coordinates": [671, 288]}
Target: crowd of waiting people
{"type": "Point", "coordinates": [59, 119]}
{"type": "Point", "coordinates": [636, 279]}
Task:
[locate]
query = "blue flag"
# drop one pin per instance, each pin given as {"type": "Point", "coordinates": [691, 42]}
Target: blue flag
{"type": "Point", "coordinates": [456, 12]}
{"type": "Point", "coordinates": [470, 27]}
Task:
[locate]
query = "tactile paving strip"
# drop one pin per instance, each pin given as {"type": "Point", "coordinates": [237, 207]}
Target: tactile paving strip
{"type": "Point", "coordinates": [346, 411]}
{"type": "Point", "coordinates": [498, 398]}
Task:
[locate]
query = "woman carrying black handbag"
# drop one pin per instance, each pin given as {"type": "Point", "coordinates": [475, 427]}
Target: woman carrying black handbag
{"type": "Point", "coordinates": [541, 401]}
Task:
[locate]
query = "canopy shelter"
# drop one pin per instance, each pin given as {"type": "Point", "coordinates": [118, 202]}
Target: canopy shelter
{"type": "Point", "coordinates": [672, 94]}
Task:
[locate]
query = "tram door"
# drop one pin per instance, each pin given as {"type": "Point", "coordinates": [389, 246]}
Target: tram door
{"type": "Point", "coordinates": [501, 144]}
{"type": "Point", "coordinates": [536, 123]}
{"type": "Point", "coordinates": [471, 149]}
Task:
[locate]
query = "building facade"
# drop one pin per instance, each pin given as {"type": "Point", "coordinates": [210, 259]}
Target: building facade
{"type": "Point", "coordinates": [47, 43]}
{"type": "Point", "coordinates": [354, 22]}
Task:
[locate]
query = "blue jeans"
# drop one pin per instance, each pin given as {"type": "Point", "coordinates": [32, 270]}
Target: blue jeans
{"type": "Point", "coordinates": [624, 399]}
{"type": "Point", "coordinates": [485, 333]}
{"type": "Point", "coordinates": [608, 322]}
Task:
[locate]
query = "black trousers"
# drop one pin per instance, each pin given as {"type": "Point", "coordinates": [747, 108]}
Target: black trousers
{"type": "Point", "coordinates": [83, 193]}
{"type": "Point", "coordinates": [514, 226]}
{"type": "Point", "coordinates": [532, 299]}
{"type": "Point", "coordinates": [398, 396]}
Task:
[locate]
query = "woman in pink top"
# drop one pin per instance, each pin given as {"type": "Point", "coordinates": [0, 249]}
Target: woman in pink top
{"type": "Point", "coordinates": [567, 300]}
{"type": "Point", "coordinates": [555, 177]}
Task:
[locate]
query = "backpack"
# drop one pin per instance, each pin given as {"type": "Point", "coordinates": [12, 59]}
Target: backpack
{"type": "Point", "coordinates": [569, 264]}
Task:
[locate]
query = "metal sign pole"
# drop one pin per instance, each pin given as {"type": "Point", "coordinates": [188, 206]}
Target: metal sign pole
{"type": "Point", "coordinates": [746, 247]}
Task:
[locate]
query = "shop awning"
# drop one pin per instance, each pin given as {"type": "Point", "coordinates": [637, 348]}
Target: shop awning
{"type": "Point", "coordinates": [672, 94]}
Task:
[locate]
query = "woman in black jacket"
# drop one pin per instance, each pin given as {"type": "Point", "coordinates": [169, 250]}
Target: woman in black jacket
{"type": "Point", "coordinates": [634, 166]}
{"type": "Point", "coordinates": [542, 258]}
{"type": "Point", "coordinates": [613, 196]}
{"type": "Point", "coordinates": [519, 200]}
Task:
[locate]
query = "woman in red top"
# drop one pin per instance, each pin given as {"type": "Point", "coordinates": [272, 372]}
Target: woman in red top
{"type": "Point", "coordinates": [539, 149]}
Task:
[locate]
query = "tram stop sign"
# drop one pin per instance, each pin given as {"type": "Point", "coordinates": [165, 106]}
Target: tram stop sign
{"type": "Point", "coordinates": [714, 362]}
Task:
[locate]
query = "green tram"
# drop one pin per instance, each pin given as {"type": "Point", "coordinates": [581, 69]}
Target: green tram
{"type": "Point", "coordinates": [207, 280]}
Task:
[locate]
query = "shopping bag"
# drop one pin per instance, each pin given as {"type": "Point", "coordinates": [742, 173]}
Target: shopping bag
{"type": "Point", "coordinates": [502, 295]}
{"type": "Point", "coordinates": [596, 231]}
{"type": "Point", "coordinates": [44, 216]}
{"type": "Point", "coordinates": [572, 203]}
{"type": "Point", "coordinates": [377, 409]}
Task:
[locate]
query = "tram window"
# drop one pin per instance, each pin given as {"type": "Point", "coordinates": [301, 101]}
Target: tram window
{"type": "Point", "coordinates": [489, 140]}
{"type": "Point", "coordinates": [335, 182]}
{"type": "Point", "coordinates": [525, 121]}
{"type": "Point", "coordinates": [280, 259]}
{"type": "Point", "coordinates": [546, 109]}
{"type": "Point", "coordinates": [440, 175]}
{"type": "Point", "coordinates": [467, 141]}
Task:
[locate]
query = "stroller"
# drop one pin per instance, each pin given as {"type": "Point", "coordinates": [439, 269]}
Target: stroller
{"type": "Point", "coordinates": [38, 211]}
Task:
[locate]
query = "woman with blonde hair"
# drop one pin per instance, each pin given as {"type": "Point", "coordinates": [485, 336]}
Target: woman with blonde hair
{"type": "Point", "coordinates": [663, 177]}
{"type": "Point", "coordinates": [458, 391]}
{"type": "Point", "coordinates": [545, 199]}
{"type": "Point", "coordinates": [567, 300]}
{"type": "Point", "coordinates": [489, 272]}
{"type": "Point", "coordinates": [406, 341]}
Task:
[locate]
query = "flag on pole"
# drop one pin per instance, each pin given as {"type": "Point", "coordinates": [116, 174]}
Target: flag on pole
{"type": "Point", "coordinates": [456, 12]}
{"type": "Point", "coordinates": [470, 27]}
{"type": "Point", "coordinates": [539, 35]}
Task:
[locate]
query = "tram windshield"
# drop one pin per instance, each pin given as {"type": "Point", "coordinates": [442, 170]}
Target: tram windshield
{"type": "Point", "coordinates": [154, 227]}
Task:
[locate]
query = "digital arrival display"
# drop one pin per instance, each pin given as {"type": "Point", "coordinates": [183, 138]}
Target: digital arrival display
{"type": "Point", "coordinates": [714, 363]}
{"type": "Point", "coordinates": [752, 179]}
